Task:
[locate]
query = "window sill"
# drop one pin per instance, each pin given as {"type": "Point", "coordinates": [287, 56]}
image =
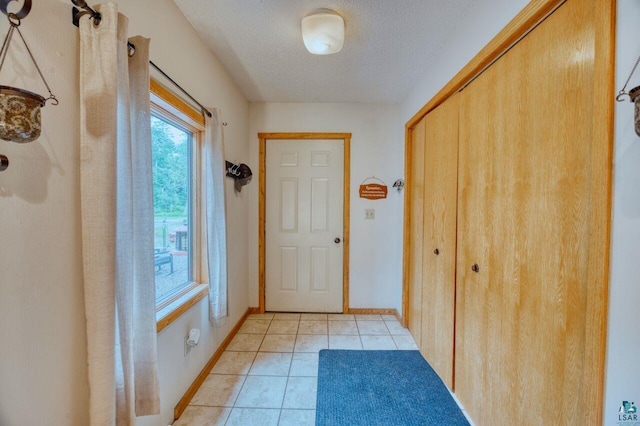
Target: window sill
{"type": "Point", "coordinates": [175, 309]}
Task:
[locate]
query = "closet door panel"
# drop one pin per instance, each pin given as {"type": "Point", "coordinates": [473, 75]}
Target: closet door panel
{"type": "Point", "coordinates": [478, 317]}
{"type": "Point", "coordinates": [524, 200]}
{"type": "Point", "coordinates": [439, 238]}
{"type": "Point", "coordinates": [415, 186]}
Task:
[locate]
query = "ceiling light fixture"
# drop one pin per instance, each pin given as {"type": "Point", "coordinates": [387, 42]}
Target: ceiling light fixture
{"type": "Point", "coordinates": [323, 32]}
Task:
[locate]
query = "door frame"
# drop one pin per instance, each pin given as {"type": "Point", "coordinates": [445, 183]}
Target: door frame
{"type": "Point", "coordinates": [262, 202]}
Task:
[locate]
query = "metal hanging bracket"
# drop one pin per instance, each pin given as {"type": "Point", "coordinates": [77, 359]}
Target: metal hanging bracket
{"type": "Point", "coordinates": [21, 14]}
{"type": "Point", "coordinates": [634, 97]}
{"type": "Point", "coordinates": [21, 122]}
{"type": "Point", "coordinates": [76, 13]}
{"type": "Point", "coordinates": [623, 92]}
{"type": "Point", "coordinates": [94, 15]}
{"type": "Point", "coordinates": [5, 49]}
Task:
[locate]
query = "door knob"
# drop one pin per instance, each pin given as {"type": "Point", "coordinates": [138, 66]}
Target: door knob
{"type": "Point", "coordinates": [475, 268]}
{"type": "Point", "coordinates": [337, 240]}
{"type": "Point", "coordinates": [436, 252]}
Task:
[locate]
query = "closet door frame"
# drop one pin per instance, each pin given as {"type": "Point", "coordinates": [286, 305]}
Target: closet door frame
{"type": "Point", "coordinates": [602, 128]}
{"type": "Point", "coordinates": [414, 226]}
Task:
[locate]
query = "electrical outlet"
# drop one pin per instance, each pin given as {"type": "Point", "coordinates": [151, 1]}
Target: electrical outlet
{"type": "Point", "coordinates": [369, 214]}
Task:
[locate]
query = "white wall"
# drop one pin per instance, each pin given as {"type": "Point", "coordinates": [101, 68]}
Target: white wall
{"type": "Point", "coordinates": [42, 338]}
{"type": "Point", "coordinates": [43, 376]}
{"type": "Point", "coordinates": [622, 373]}
{"type": "Point", "coordinates": [480, 24]}
{"type": "Point", "coordinates": [376, 149]}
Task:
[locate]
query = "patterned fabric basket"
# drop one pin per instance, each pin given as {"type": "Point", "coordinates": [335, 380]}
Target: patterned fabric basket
{"type": "Point", "coordinates": [19, 114]}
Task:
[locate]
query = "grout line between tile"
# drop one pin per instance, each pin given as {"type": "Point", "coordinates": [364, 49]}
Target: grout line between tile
{"type": "Point", "coordinates": [293, 353]}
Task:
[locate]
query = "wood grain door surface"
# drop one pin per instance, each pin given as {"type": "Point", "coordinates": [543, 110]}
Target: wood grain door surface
{"type": "Point", "coordinates": [439, 238]}
{"type": "Point", "coordinates": [304, 225]}
{"type": "Point", "coordinates": [524, 204]}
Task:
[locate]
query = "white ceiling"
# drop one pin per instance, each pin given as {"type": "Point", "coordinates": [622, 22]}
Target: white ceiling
{"type": "Point", "coordinates": [389, 45]}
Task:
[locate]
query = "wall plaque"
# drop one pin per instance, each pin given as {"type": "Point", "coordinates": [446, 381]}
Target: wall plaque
{"type": "Point", "coordinates": [373, 191]}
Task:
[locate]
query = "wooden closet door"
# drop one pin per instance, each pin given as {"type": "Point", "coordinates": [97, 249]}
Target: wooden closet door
{"type": "Point", "coordinates": [524, 203]}
{"type": "Point", "coordinates": [439, 238]}
{"type": "Point", "coordinates": [415, 187]}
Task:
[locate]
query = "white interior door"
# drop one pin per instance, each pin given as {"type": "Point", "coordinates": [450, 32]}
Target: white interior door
{"type": "Point", "coordinates": [304, 225]}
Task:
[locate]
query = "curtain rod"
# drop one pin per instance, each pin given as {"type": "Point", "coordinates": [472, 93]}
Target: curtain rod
{"type": "Point", "coordinates": [95, 15]}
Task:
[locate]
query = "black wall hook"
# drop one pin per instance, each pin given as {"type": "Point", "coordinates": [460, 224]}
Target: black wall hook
{"type": "Point", "coordinates": [76, 13]}
{"type": "Point", "coordinates": [241, 174]}
{"type": "Point", "coordinates": [237, 171]}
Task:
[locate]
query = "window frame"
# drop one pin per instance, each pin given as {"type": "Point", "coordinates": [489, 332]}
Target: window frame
{"type": "Point", "coordinates": [168, 106]}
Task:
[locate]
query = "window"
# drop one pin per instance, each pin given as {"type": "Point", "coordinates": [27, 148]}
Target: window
{"type": "Point", "coordinates": [172, 148]}
{"type": "Point", "coordinates": [175, 143]}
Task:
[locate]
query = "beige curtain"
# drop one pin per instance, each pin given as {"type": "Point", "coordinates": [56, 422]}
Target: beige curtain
{"type": "Point", "coordinates": [117, 222]}
{"type": "Point", "coordinates": [215, 218]}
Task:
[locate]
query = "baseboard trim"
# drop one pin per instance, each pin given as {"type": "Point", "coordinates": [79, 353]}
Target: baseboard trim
{"type": "Point", "coordinates": [354, 311]}
{"type": "Point", "coordinates": [184, 402]}
{"type": "Point", "coordinates": [375, 311]}
{"type": "Point", "coordinates": [372, 311]}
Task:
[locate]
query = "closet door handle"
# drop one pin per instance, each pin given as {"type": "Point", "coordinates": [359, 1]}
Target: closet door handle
{"type": "Point", "coordinates": [436, 252]}
{"type": "Point", "coordinates": [475, 268]}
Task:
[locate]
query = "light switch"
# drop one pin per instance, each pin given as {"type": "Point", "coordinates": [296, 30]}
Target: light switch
{"type": "Point", "coordinates": [369, 214]}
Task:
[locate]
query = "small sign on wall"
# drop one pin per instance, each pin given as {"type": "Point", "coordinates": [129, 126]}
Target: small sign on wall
{"type": "Point", "coordinates": [372, 190]}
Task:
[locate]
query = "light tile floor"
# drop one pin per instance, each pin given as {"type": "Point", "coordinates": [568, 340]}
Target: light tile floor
{"type": "Point", "coordinates": [268, 374]}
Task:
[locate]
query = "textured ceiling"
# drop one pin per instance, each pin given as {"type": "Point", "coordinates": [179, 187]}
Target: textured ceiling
{"type": "Point", "coordinates": [389, 45]}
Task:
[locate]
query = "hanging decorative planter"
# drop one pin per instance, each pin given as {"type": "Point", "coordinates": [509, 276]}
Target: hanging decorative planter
{"type": "Point", "coordinates": [19, 114]}
{"type": "Point", "coordinates": [19, 108]}
{"type": "Point", "coordinates": [634, 96]}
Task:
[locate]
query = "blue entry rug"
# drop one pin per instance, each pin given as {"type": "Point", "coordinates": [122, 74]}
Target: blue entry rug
{"type": "Point", "coordinates": [385, 388]}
